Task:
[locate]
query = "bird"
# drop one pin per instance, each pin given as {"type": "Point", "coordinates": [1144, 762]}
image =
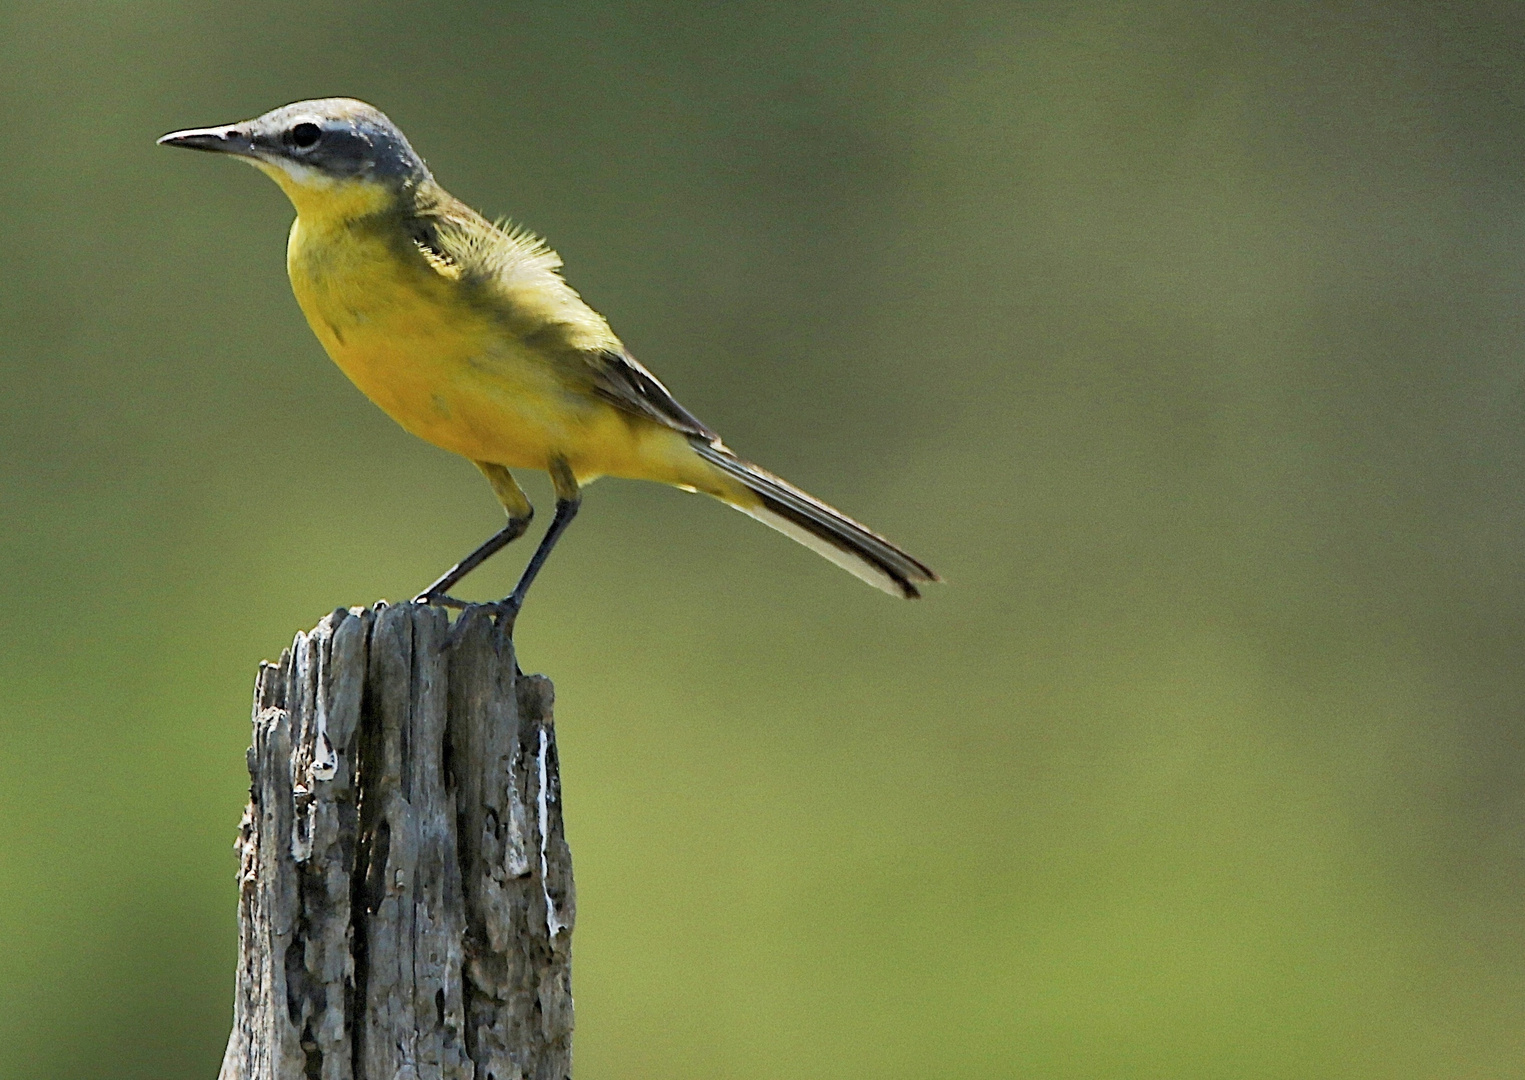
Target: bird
{"type": "Point", "coordinates": [465, 332]}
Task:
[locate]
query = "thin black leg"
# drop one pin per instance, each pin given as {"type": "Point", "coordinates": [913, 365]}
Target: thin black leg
{"type": "Point", "coordinates": [566, 510]}
{"type": "Point", "coordinates": [436, 593]}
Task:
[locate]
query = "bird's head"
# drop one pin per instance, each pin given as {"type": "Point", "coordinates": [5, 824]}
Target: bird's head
{"type": "Point", "coordinates": [330, 155]}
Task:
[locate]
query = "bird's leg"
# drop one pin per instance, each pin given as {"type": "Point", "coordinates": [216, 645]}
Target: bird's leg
{"type": "Point", "coordinates": [436, 593]}
{"type": "Point", "coordinates": [568, 499]}
{"type": "Point", "coordinates": [517, 504]}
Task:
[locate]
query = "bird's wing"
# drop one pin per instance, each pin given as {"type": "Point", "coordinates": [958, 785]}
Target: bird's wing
{"type": "Point", "coordinates": [620, 378]}
{"type": "Point", "coordinates": [524, 274]}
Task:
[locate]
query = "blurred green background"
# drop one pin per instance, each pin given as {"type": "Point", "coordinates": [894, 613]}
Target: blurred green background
{"type": "Point", "coordinates": [1185, 339]}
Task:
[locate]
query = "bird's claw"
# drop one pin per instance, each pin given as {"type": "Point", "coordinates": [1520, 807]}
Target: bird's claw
{"type": "Point", "coordinates": [426, 598]}
{"type": "Point", "coordinates": [504, 613]}
{"type": "Point", "coordinates": [507, 608]}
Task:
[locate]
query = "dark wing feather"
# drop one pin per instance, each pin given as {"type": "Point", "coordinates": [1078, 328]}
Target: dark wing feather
{"type": "Point", "coordinates": [619, 378]}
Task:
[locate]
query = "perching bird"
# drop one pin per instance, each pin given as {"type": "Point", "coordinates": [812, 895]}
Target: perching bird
{"type": "Point", "coordinates": [465, 333]}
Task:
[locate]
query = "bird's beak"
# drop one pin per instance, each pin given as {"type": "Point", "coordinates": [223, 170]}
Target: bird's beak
{"type": "Point", "coordinates": [218, 140]}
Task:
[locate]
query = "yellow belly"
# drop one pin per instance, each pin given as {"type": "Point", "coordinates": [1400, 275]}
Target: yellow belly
{"type": "Point", "coordinates": [449, 372]}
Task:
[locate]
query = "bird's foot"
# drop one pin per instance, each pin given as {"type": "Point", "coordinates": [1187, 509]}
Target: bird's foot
{"type": "Point", "coordinates": [427, 598]}
{"type": "Point", "coordinates": [507, 609]}
{"type": "Point", "coordinates": [502, 613]}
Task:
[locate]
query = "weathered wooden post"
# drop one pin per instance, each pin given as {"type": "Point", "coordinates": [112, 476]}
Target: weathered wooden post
{"type": "Point", "coordinates": [405, 890]}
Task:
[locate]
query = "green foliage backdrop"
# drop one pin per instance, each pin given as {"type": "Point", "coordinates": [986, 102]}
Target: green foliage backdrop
{"type": "Point", "coordinates": [1184, 338]}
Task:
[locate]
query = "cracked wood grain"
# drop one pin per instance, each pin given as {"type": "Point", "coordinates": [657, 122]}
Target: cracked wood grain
{"type": "Point", "coordinates": [405, 889]}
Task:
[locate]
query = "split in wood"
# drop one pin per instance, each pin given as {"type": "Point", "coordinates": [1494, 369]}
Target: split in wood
{"type": "Point", "coordinates": [405, 889]}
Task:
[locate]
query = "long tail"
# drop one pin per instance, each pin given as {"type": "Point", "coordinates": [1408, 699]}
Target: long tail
{"type": "Point", "coordinates": [856, 549]}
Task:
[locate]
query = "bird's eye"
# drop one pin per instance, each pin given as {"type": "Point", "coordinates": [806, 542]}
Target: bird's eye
{"type": "Point", "coordinates": [305, 136]}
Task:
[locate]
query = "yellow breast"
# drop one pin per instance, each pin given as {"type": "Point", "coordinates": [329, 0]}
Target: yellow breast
{"type": "Point", "coordinates": [408, 338]}
{"type": "Point", "coordinates": [450, 369]}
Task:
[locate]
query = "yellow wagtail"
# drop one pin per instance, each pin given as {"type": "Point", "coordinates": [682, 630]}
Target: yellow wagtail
{"type": "Point", "coordinates": [464, 332]}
